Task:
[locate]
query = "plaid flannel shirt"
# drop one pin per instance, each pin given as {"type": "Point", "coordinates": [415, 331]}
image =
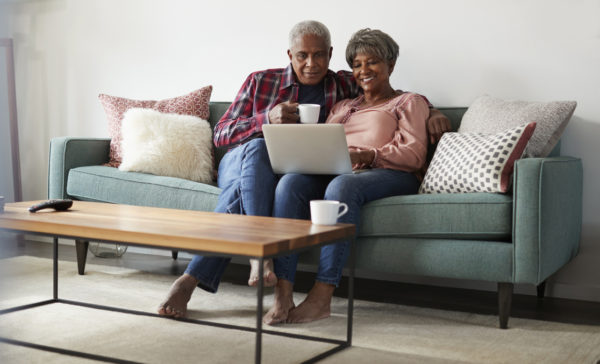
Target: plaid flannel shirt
{"type": "Point", "coordinates": [264, 90]}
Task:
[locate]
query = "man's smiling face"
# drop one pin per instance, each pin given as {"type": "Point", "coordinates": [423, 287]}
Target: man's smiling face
{"type": "Point", "coordinates": [310, 59]}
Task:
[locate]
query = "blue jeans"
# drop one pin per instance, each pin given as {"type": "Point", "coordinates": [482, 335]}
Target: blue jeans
{"type": "Point", "coordinates": [294, 192]}
{"type": "Point", "coordinates": [248, 184]}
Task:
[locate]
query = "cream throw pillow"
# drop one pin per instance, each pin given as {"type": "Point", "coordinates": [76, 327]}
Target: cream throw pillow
{"type": "Point", "coordinates": [492, 115]}
{"type": "Point", "coordinates": [164, 144]}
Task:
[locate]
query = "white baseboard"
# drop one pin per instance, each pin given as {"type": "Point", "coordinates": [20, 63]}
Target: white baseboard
{"type": "Point", "coordinates": [575, 292]}
{"type": "Point", "coordinates": [579, 292]}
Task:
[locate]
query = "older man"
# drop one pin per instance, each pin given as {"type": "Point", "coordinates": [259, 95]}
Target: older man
{"type": "Point", "coordinates": [245, 174]}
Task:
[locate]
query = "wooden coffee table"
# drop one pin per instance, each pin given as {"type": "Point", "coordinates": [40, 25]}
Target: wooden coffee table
{"type": "Point", "coordinates": [205, 233]}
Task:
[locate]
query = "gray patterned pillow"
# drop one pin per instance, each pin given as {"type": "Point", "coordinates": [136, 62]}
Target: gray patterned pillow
{"type": "Point", "coordinates": [491, 115]}
{"type": "Point", "coordinates": [474, 162]}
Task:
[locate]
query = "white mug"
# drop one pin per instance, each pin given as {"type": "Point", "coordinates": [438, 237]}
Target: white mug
{"type": "Point", "coordinates": [309, 113]}
{"type": "Point", "coordinates": [326, 212]}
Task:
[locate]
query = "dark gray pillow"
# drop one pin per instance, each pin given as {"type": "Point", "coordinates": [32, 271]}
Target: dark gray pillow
{"type": "Point", "coordinates": [491, 115]}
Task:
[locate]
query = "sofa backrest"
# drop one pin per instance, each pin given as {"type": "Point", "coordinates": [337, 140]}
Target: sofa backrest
{"type": "Point", "coordinates": [217, 109]}
{"type": "Point", "coordinates": [455, 114]}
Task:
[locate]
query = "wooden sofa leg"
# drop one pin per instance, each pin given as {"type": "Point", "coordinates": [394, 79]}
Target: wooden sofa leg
{"type": "Point", "coordinates": [81, 246]}
{"type": "Point", "coordinates": [541, 289]}
{"type": "Point", "coordinates": [505, 291]}
{"type": "Point", "coordinates": [174, 254]}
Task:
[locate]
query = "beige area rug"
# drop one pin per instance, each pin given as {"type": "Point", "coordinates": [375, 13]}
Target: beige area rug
{"type": "Point", "coordinates": [383, 333]}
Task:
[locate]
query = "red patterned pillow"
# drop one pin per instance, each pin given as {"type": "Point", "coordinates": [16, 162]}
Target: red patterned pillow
{"type": "Point", "coordinates": [195, 103]}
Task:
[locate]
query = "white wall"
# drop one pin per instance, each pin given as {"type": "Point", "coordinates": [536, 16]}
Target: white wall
{"type": "Point", "coordinates": [6, 175]}
{"type": "Point", "coordinates": [69, 51]}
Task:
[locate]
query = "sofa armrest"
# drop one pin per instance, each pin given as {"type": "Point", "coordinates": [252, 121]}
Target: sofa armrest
{"type": "Point", "coordinates": [72, 152]}
{"type": "Point", "coordinates": [547, 215]}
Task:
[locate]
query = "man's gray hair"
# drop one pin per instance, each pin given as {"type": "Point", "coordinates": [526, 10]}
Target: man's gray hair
{"type": "Point", "coordinates": [309, 27]}
{"type": "Point", "coordinates": [372, 41]}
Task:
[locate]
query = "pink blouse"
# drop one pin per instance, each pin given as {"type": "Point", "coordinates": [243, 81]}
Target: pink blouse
{"type": "Point", "coordinates": [395, 130]}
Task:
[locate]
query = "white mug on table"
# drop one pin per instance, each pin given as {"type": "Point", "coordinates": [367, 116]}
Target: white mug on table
{"type": "Point", "coordinates": [326, 212]}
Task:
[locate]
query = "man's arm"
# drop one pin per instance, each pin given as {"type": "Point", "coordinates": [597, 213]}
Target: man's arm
{"type": "Point", "coordinates": [247, 114]}
{"type": "Point", "coordinates": [239, 123]}
{"type": "Point", "coordinates": [284, 113]}
{"type": "Point", "coordinates": [437, 124]}
{"type": "Point", "coordinates": [347, 86]}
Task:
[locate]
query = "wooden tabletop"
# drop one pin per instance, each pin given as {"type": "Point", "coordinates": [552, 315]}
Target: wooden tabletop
{"type": "Point", "coordinates": [170, 228]}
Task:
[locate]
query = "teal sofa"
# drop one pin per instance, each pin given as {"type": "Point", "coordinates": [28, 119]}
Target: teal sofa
{"type": "Point", "coordinates": [521, 237]}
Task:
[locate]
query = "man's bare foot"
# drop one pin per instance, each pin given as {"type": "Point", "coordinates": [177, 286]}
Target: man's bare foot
{"type": "Point", "coordinates": [284, 302]}
{"type": "Point", "coordinates": [270, 279]}
{"type": "Point", "coordinates": [179, 295]}
{"type": "Point", "coordinates": [316, 305]}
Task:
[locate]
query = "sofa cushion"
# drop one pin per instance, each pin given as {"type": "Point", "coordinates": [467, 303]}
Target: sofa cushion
{"type": "Point", "coordinates": [108, 184]}
{"type": "Point", "coordinates": [448, 258]}
{"type": "Point", "coordinates": [476, 216]}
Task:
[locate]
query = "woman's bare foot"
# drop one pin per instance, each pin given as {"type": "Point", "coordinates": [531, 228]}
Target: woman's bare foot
{"type": "Point", "coordinates": [270, 279]}
{"type": "Point", "coordinates": [179, 295]}
{"type": "Point", "coordinates": [316, 305]}
{"type": "Point", "coordinates": [284, 302]}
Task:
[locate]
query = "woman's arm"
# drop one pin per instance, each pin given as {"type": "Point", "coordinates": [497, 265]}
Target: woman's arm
{"type": "Point", "coordinates": [407, 151]}
{"type": "Point", "coordinates": [361, 158]}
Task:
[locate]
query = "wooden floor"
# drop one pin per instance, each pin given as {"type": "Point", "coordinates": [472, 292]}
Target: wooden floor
{"type": "Point", "coordinates": [466, 300]}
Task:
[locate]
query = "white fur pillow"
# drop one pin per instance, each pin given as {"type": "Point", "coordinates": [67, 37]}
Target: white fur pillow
{"type": "Point", "coordinates": [163, 144]}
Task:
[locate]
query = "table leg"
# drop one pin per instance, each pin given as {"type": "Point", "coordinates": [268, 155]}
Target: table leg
{"type": "Point", "coordinates": [55, 269]}
{"type": "Point", "coordinates": [259, 310]}
{"type": "Point", "coordinates": [351, 290]}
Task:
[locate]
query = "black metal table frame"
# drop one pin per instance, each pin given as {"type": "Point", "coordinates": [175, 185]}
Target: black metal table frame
{"type": "Point", "coordinates": [340, 344]}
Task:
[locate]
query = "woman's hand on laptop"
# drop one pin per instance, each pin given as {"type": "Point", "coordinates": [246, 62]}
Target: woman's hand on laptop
{"type": "Point", "coordinates": [284, 113]}
{"type": "Point", "coordinates": [361, 159]}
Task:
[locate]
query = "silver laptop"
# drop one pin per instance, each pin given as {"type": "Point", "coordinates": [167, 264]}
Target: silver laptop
{"type": "Point", "coordinates": [307, 148]}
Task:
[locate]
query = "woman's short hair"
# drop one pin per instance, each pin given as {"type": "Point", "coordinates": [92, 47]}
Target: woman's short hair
{"type": "Point", "coordinates": [372, 41]}
{"type": "Point", "coordinates": [309, 27]}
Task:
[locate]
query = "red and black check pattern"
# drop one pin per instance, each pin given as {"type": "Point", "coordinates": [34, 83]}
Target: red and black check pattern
{"type": "Point", "coordinates": [264, 90]}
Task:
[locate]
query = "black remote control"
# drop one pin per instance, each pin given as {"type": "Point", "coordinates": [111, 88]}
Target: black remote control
{"type": "Point", "coordinates": [58, 205]}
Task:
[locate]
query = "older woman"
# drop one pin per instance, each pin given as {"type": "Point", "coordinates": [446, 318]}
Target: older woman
{"type": "Point", "coordinates": [387, 137]}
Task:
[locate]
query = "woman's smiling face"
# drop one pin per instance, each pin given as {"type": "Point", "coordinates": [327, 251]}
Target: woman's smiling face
{"type": "Point", "coordinates": [371, 72]}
